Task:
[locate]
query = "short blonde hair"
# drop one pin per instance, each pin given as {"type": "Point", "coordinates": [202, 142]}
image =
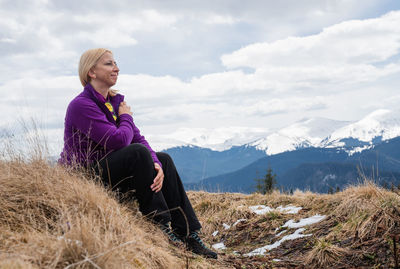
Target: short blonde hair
{"type": "Point", "coordinates": [88, 60]}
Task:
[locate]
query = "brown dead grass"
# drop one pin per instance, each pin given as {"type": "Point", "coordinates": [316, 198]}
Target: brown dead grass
{"type": "Point", "coordinates": [356, 232]}
{"type": "Point", "coordinates": [325, 255]}
{"type": "Point", "coordinates": [54, 218]}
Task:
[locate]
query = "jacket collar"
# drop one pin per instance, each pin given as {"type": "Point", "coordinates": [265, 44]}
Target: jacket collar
{"type": "Point", "coordinates": [91, 93]}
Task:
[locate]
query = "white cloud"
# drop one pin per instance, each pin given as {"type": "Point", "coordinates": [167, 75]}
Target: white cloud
{"type": "Point", "coordinates": [119, 30]}
{"type": "Point", "coordinates": [47, 40]}
{"type": "Point", "coordinates": [281, 60]}
{"type": "Point", "coordinates": [143, 86]}
{"type": "Point", "coordinates": [220, 19]}
{"type": "Point", "coordinates": [285, 105]}
{"type": "Point", "coordinates": [346, 52]}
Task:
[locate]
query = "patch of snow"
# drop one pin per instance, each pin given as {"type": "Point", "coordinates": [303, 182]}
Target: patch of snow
{"type": "Point", "coordinates": [219, 246]}
{"type": "Point", "coordinates": [262, 250]}
{"type": "Point", "coordinates": [282, 232]}
{"type": "Point", "coordinates": [260, 209]}
{"type": "Point", "coordinates": [238, 221]}
{"type": "Point", "coordinates": [359, 149]}
{"type": "Point", "coordinates": [276, 260]}
{"type": "Point", "coordinates": [226, 226]}
{"type": "Point", "coordinates": [289, 209]}
{"type": "Point", "coordinates": [328, 177]}
{"type": "Point", "coordinates": [304, 222]}
{"type": "Point", "coordinates": [215, 233]}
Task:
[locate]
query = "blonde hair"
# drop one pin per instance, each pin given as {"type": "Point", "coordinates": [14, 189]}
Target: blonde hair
{"type": "Point", "coordinates": [88, 60]}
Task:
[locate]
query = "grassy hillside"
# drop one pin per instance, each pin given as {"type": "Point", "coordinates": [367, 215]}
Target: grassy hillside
{"type": "Point", "coordinates": [54, 218]}
{"type": "Point", "coordinates": [359, 228]}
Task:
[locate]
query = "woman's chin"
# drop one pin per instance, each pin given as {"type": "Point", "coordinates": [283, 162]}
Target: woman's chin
{"type": "Point", "coordinates": [112, 83]}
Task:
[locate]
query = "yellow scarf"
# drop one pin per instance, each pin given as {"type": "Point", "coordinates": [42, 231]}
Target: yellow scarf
{"type": "Point", "coordinates": [111, 108]}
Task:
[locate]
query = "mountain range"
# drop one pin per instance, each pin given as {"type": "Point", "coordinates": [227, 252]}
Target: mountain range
{"type": "Point", "coordinates": [316, 154]}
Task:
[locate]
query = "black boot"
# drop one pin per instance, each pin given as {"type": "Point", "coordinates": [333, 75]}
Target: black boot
{"type": "Point", "coordinates": [196, 245]}
{"type": "Point", "coordinates": [173, 239]}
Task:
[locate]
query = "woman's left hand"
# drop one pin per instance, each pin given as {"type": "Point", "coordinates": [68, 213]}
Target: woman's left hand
{"type": "Point", "coordinates": [158, 180]}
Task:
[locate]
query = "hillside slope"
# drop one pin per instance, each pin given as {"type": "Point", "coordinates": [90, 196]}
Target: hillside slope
{"type": "Point", "coordinates": [355, 228]}
{"type": "Point", "coordinates": [54, 218]}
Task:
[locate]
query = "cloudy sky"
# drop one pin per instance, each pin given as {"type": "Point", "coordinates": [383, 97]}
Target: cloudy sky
{"type": "Point", "coordinates": [198, 67]}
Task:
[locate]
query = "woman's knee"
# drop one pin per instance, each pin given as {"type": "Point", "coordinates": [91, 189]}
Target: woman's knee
{"type": "Point", "coordinates": [164, 158]}
{"type": "Point", "coordinates": [139, 152]}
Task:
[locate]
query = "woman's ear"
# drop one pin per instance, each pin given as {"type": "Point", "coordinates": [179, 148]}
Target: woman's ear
{"type": "Point", "coordinates": [92, 74]}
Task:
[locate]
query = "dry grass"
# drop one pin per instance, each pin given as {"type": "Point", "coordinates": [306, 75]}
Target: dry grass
{"type": "Point", "coordinates": [54, 218]}
{"type": "Point", "coordinates": [325, 255]}
{"type": "Point", "coordinates": [51, 217]}
{"type": "Point", "coordinates": [356, 232]}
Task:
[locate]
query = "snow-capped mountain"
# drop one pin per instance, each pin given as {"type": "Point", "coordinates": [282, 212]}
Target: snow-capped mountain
{"type": "Point", "coordinates": [302, 134]}
{"type": "Point", "coordinates": [218, 139]}
{"type": "Point", "coordinates": [307, 146]}
{"type": "Point", "coordinates": [317, 132]}
{"type": "Point", "coordinates": [381, 124]}
{"type": "Point", "coordinates": [353, 137]}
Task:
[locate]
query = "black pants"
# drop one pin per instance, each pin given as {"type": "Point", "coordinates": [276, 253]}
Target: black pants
{"type": "Point", "coordinates": [130, 170]}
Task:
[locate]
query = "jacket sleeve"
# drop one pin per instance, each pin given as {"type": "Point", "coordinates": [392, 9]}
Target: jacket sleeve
{"type": "Point", "coordinates": [89, 119]}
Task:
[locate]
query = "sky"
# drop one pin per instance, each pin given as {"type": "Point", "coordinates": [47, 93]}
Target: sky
{"type": "Point", "coordinates": [192, 69]}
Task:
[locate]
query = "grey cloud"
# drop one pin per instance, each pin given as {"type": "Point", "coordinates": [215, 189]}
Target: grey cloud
{"type": "Point", "coordinates": [53, 34]}
{"type": "Point", "coordinates": [173, 50]}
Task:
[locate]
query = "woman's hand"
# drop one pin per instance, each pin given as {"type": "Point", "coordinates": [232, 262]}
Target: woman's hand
{"type": "Point", "coordinates": [158, 180]}
{"type": "Point", "coordinates": [124, 109]}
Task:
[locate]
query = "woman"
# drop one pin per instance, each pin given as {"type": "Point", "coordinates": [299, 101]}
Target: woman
{"type": "Point", "coordinates": [100, 134]}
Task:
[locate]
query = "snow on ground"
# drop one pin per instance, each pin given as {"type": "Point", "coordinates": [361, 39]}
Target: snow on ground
{"type": "Point", "coordinates": [289, 209]}
{"type": "Point", "coordinates": [279, 234]}
{"type": "Point", "coordinates": [295, 235]}
{"type": "Point", "coordinates": [226, 226]}
{"type": "Point", "coordinates": [238, 221]}
{"type": "Point", "coordinates": [262, 250]}
{"type": "Point", "coordinates": [262, 209]}
{"type": "Point", "coordinates": [219, 246]}
{"type": "Point", "coordinates": [303, 222]}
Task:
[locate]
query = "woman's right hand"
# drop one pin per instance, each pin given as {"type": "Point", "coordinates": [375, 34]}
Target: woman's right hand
{"type": "Point", "coordinates": [124, 109]}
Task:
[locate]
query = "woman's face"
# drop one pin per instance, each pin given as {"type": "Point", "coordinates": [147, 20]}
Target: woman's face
{"type": "Point", "coordinates": [106, 70]}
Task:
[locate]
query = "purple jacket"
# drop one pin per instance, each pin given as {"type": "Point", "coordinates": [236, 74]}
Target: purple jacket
{"type": "Point", "coordinates": [90, 131]}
